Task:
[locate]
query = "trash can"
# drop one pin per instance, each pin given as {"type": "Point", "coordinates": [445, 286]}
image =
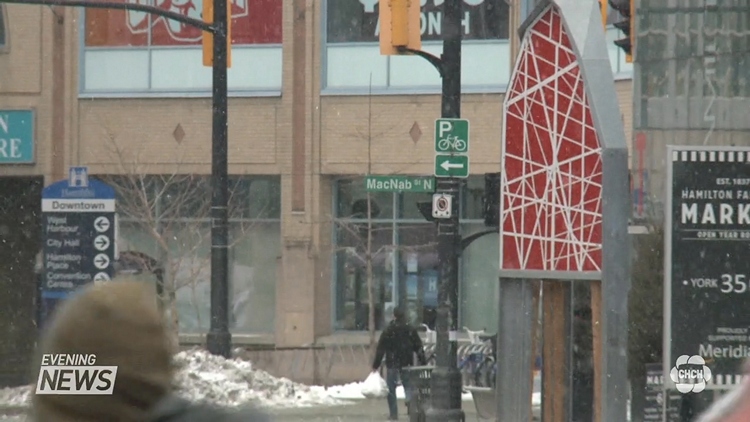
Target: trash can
{"type": "Point", "coordinates": [419, 379]}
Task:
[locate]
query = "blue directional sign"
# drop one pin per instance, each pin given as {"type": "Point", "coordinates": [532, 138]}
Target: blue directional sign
{"type": "Point", "coordinates": [78, 218]}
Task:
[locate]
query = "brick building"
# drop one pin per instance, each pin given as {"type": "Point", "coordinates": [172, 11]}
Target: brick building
{"type": "Point", "coordinates": [313, 108]}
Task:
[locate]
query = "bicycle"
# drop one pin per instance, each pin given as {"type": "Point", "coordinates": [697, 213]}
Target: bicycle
{"type": "Point", "coordinates": [452, 142]}
{"type": "Point", "coordinates": [429, 345]}
{"type": "Point", "coordinates": [488, 367]}
{"type": "Point", "coordinates": [473, 358]}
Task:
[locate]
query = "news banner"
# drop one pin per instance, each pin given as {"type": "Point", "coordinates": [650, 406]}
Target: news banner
{"type": "Point", "coordinates": [75, 374]}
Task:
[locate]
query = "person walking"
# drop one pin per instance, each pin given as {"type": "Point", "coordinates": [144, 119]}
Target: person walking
{"type": "Point", "coordinates": [398, 343]}
{"type": "Point", "coordinates": [119, 322]}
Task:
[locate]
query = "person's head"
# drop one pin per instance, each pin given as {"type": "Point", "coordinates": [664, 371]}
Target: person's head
{"type": "Point", "coordinates": [118, 322]}
{"type": "Point", "coordinates": [399, 315]}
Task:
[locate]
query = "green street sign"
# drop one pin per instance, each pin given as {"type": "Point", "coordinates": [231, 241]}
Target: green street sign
{"type": "Point", "coordinates": [452, 136]}
{"type": "Point", "coordinates": [400, 184]}
{"type": "Point", "coordinates": [451, 165]}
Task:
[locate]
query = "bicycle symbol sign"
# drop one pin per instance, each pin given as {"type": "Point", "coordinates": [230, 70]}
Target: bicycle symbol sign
{"type": "Point", "coordinates": [452, 136]}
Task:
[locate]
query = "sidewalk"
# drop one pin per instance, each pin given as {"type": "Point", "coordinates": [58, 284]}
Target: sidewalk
{"type": "Point", "coordinates": [359, 410]}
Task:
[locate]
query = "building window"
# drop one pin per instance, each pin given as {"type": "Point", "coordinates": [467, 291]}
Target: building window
{"type": "Point", "coordinates": [403, 258]}
{"type": "Point", "coordinates": [166, 218]}
{"type": "Point", "coordinates": [133, 52]}
{"type": "Point", "coordinates": [3, 26]}
{"type": "Point", "coordinates": [352, 53]}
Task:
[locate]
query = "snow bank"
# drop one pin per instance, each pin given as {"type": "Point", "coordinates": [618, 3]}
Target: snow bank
{"type": "Point", "coordinates": [204, 377]}
{"type": "Point", "coordinates": [15, 397]}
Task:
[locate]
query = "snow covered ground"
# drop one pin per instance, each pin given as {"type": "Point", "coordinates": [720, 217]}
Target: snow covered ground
{"type": "Point", "coordinates": [201, 376]}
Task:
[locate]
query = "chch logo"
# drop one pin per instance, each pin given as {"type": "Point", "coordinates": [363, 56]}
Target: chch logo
{"type": "Point", "coordinates": [690, 374]}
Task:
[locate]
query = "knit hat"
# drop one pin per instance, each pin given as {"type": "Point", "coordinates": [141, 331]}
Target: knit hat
{"type": "Point", "coordinates": [120, 323]}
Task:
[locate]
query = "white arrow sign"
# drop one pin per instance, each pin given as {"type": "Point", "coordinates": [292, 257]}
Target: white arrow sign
{"type": "Point", "coordinates": [101, 242]}
{"type": "Point", "coordinates": [101, 224]}
{"type": "Point", "coordinates": [447, 165]}
{"type": "Point", "coordinates": [101, 261]}
{"type": "Point", "coordinates": [101, 277]}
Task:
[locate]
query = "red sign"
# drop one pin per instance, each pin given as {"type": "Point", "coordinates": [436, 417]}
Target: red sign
{"type": "Point", "coordinates": [552, 195]}
{"type": "Point", "coordinates": [253, 22]}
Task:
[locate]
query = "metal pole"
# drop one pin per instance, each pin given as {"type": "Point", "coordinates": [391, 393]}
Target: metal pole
{"type": "Point", "coordinates": [514, 354]}
{"type": "Point", "coordinates": [219, 340]}
{"type": "Point", "coordinates": [446, 379]}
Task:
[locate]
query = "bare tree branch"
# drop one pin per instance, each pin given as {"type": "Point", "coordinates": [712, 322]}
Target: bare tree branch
{"type": "Point", "coordinates": [173, 210]}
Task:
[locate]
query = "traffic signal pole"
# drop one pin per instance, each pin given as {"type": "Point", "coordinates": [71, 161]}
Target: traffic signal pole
{"type": "Point", "coordinates": [446, 381]}
{"type": "Point", "coordinates": [219, 339]}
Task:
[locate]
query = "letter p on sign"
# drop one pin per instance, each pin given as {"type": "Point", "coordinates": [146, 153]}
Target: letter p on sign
{"type": "Point", "coordinates": [443, 127]}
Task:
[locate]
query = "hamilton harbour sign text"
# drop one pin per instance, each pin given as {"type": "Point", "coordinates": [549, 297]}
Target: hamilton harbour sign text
{"type": "Point", "coordinates": [706, 213]}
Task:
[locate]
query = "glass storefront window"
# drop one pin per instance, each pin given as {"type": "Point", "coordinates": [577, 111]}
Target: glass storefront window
{"type": "Point", "coordinates": [352, 57]}
{"type": "Point", "coordinates": [478, 286]}
{"type": "Point", "coordinates": [352, 199]}
{"type": "Point", "coordinates": [405, 264]}
{"type": "Point", "coordinates": [418, 271]}
{"type": "Point", "coordinates": [3, 25]}
{"type": "Point", "coordinates": [353, 254]}
{"type": "Point", "coordinates": [164, 216]}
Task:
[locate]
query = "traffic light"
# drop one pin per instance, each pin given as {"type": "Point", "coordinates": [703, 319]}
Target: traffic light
{"type": "Point", "coordinates": [425, 208]}
{"type": "Point", "coordinates": [491, 200]}
{"type": "Point", "coordinates": [626, 8]}
{"type": "Point", "coordinates": [400, 26]}
{"type": "Point", "coordinates": [208, 38]}
{"type": "Point", "coordinates": [603, 8]}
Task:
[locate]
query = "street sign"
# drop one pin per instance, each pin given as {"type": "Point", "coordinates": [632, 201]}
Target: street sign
{"type": "Point", "coordinates": [452, 136]}
{"type": "Point", "coordinates": [451, 165]}
{"type": "Point", "coordinates": [375, 183]}
{"type": "Point", "coordinates": [78, 217]}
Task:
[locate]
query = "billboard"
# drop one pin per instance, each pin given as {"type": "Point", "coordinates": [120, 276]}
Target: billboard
{"type": "Point", "coordinates": [253, 22]}
{"type": "Point", "coordinates": [706, 284]}
{"type": "Point", "coordinates": [352, 21]}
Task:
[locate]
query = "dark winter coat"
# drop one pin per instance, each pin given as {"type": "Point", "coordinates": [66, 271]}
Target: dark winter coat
{"type": "Point", "coordinates": [398, 343]}
{"type": "Point", "coordinates": [175, 409]}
